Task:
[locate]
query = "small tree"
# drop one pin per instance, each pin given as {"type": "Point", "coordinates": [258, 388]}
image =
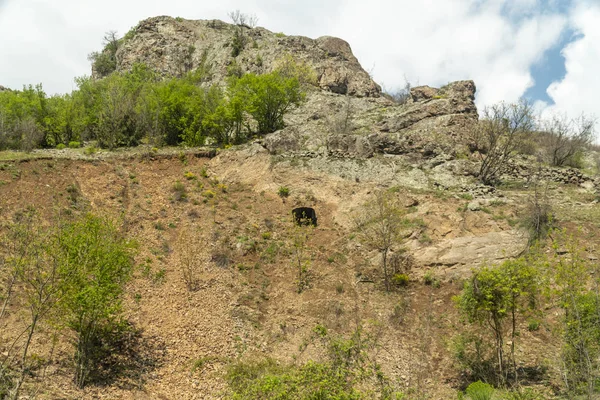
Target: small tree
{"type": "Point", "coordinates": [301, 259]}
{"type": "Point", "coordinates": [380, 225]}
{"type": "Point", "coordinates": [96, 263]}
{"type": "Point", "coordinates": [494, 295]}
{"type": "Point", "coordinates": [567, 138]}
{"type": "Point", "coordinates": [268, 98]}
{"type": "Point", "coordinates": [538, 216]}
{"type": "Point", "coordinates": [576, 283]}
{"type": "Point", "coordinates": [189, 257]}
{"type": "Point", "coordinates": [105, 62]}
{"type": "Point", "coordinates": [241, 21]}
{"type": "Point", "coordinates": [35, 272]}
{"type": "Point", "coordinates": [499, 133]}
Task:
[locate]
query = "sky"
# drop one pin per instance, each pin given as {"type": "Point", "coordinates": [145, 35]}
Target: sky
{"type": "Point", "coordinates": [547, 51]}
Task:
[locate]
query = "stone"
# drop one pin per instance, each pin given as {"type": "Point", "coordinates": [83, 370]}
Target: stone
{"type": "Point", "coordinates": [472, 250]}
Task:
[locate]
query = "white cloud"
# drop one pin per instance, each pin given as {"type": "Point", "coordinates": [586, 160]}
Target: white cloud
{"type": "Point", "coordinates": [579, 90]}
{"type": "Point", "coordinates": [494, 42]}
{"type": "Point", "coordinates": [434, 42]}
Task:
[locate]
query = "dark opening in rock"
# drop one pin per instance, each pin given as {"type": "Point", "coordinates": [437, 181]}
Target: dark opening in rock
{"type": "Point", "coordinates": [305, 216]}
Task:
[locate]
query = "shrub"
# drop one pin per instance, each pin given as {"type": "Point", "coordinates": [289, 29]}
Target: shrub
{"type": "Point", "coordinates": [533, 325]}
{"type": "Point", "coordinates": [402, 95]}
{"type": "Point", "coordinates": [179, 191]}
{"type": "Point", "coordinates": [565, 139]}
{"type": "Point", "coordinates": [209, 194]}
{"type": "Point", "coordinates": [537, 218]}
{"type": "Point", "coordinates": [498, 135]}
{"type": "Point", "coordinates": [480, 391]}
{"type": "Point", "coordinates": [283, 192]}
{"type": "Point", "coordinates": [189, 176]}
{"type": "Point", "coordinates": [60, 146]}
{"type": "Point", "coordinates": [401, 280]}
{"type": "Point", "coordinates": [74, 145]}
{"type": "Point", "coordinates": [268, 98]}
{"type": "Point", "coordinates": [380, 225]}
{"type": "Point", "coordinates": [431, 280]}
{"type": "Point", "coordinates": [90, 150]}
{"type": "Point", "coordinates": [96, 263]}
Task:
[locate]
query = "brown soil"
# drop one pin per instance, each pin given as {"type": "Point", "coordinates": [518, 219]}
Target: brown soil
{"type": "Point", "coordinates": [249, 308]}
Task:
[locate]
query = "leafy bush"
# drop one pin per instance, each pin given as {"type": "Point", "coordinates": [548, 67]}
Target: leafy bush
{"type": "Point", "coordinates": [480, 391]}
{"type": "Point", "coordinates": [401, 280]}
{"type": "Point", "coordinates": [283, 192]}
{"type": "Point", "coordinates": [269, 380]}
{"type": "Point", "coordinates": [267, 97]}
{"type": "Point", "coordinates": [96, 263]}
{"type": "Point", "coordinates": [60, 146]}
{"type": "Point", "coordinates": [488, 300]}
{"type": "Point", "coordinates": [74, 145]}
{"type": "Point", "coordinates": [90, 150]}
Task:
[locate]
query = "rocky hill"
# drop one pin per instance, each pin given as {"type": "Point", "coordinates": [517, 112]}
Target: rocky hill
{"type": "Point", "coordinates": [171, 45]}
{"type": "Point", "coordinates": [225, 279]}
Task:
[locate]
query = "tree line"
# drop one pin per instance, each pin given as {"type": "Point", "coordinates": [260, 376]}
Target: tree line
{"type": "Point", "coordinates": [130, 107]}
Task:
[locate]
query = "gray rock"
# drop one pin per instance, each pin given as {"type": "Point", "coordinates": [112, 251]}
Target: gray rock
{"type": "Point", "coordinates": [472, 250]}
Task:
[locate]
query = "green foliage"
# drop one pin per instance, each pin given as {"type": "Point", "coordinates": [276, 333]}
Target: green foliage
{"type": "Point", "coordinates": [401, 280]}
{"type": "Point", "coordinates": [576, 284]}
{"type": "Point", "coordinates": [283, 192]}
{"type": "Point", "coordinates": [495, 295]}
{"type": "Point", "coordinates": [269, 380]}
{"type": "Point", "coordinates": [29, 119]}
{"type": "Point", "coordinates": [179, 191]}
{"type": "Point", "coordinates": [480, 391]}
{"type": "Point", "coordinates": [74, 145]}
{"type": "Point", "coordinates": [105, 61]}
{"type": "Point", "coordinates": [347, 367]}
{"type": "Point", "coordinates": [96, 263]}
{"type": "Point", "coordinates": [267, 98]}
{"type": "Point", "coordinates": [6, 381]}
{"type": "Point", "coordinates": [124, 107]}
{"type": "Point", "coordinates": [60, 146]}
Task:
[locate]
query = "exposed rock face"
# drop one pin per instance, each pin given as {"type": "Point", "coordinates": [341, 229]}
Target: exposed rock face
{"type": "Point", "coordinates": [432, 125]}
{"type": "Point", "coordinates": [174, 46]}
{"type": "Point", "coordinates": [472, 250]}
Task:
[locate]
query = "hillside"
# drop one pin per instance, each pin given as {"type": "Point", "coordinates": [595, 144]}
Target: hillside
{"type": "Point", "coordinates": [224, 278]}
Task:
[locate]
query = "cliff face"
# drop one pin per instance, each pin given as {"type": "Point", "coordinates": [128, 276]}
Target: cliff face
{"type": "Point", "coordinates": [173, 46]}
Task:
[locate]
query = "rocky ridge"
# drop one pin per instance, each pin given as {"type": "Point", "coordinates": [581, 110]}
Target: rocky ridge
{"type": "Point", "coordinates": [173, 45]}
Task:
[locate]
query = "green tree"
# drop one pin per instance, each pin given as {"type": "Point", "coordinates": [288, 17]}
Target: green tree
{"type": "Point", "coordinates": [32, 268]}
{"type": "Point", "coordinates": [96, 262]}
{"type": "Point", "coordinates": [268, 98]}
{"type": "Point", "coordinates": [495, 295]}
{"type": "Point", "coordinates": [105, 62]}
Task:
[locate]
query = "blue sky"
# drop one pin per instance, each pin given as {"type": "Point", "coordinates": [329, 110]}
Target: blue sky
{"type": "Point", "coordinates": [545, 50]}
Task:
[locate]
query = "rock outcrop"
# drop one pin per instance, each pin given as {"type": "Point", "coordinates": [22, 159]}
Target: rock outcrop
{"type": "Point", "coordinates": [433, 125]}
{"type": "Point", "coordinates": [174, 45]}
{"type": "Point", "coordinates": [472, 250]}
